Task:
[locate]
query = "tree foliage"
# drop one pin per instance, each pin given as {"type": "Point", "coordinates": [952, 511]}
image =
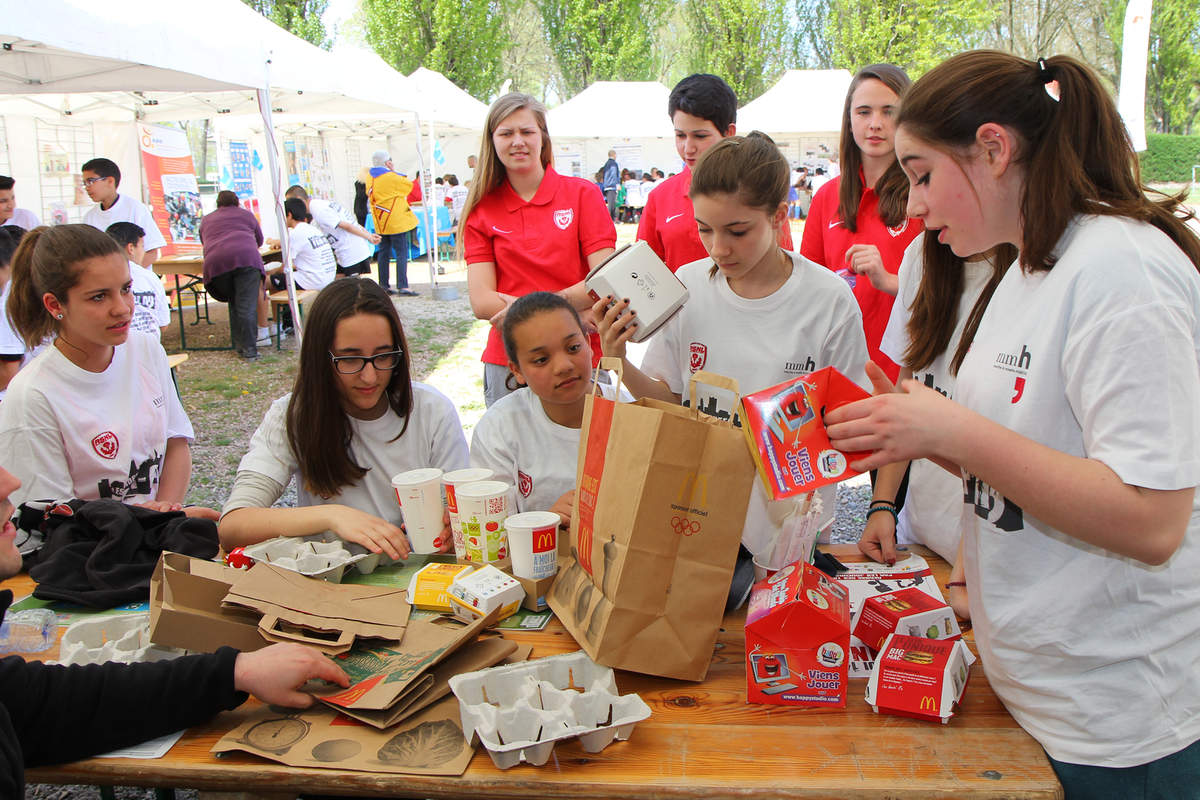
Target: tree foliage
{"type": "Point", "coordinates": [300, 17]}
{"type": "Point", "coordinates": [746, 42]}
{"type": "Point", "coordinates": [462, 39]}
{"type": "Point", "coordinates": [602, 40]}
{"type": "Point", "coordinates": [913, 34]}
{"type": "Point", "coordinates": [1173, 75]}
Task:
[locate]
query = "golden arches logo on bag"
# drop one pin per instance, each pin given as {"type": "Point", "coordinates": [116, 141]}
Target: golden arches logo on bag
{"type": "Point", "coordinates": [693, 490]}
{"type": "Point", "coordinates": [928, 703]}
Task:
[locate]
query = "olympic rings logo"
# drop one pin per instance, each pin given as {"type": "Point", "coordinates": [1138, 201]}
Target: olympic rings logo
{"type": "Point", "coordinates": [684, 526]}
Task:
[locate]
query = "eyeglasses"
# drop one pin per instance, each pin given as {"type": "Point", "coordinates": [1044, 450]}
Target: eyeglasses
{"type": "Point", "coordinates": [348, 365]}
{"type": "Point", "coordinates": [89, 181]}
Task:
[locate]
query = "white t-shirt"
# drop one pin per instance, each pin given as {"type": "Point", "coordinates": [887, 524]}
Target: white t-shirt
{"type": "Point", "coordinates": [66, 432]}
{"type": "Point", "coordinates": [150, 308]}
{"type": "Point", "coordinates": [932, 512]}
{"type": "Point", "coordinates": [434, 439]}
{"type": "Point", "coordinates": [312, 257]}
{"type": "Point", "coordinates": [126, 209]}
{"type": "Point", "coordinates": [24, 218]}
{"type": "Point", "coordinates": [527, 450]}
{"type": "Point", "coordinates": [810, 322]}
{"type": "Point", "coordinates": [634, 197]}
{"type": "Point", "coordinates": [458, 198]}
{"type": "Point", "coordinates": [348, 248]}
{"type": "Point", "coordinates": [1094, 654]}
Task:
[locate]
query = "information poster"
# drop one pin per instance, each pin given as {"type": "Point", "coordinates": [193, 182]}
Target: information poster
{"type": "Point", "coordinates": [174, 193]}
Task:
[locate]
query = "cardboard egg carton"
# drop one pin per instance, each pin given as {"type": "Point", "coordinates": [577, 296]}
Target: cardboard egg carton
{"type": "Point", "coordinates": [323, 556]}
{"type": "Point", "coordinates": [520, 711]}
{"type": "Point", "coordinates": [123, 638]}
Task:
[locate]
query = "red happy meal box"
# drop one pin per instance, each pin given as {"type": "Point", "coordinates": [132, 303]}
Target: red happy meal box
{"type": "Point", "coordinates": [921, 678]}
{"type": "Point", "coordinates": [798, 639]}
{"type": "Point", "coordinates": [906, 611]}
{"type": "Point", "coordinates": [786, 432]}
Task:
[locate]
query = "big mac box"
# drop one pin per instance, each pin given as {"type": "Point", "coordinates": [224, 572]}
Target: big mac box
{"type": "Point", "coordinates": [798, 639]}
{"type": "Point", "coordinates": [907, 611]}
{"type": "Point", "coordinates": [921, 678]}
{"type": "Point", "coordinates": [481, 592]}
{"type": "Point", "coordinates": [635, 271]}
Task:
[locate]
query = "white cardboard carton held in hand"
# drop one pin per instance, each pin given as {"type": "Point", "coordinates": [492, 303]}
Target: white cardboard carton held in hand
{"type": "Point", "coordinates": [635, 271]}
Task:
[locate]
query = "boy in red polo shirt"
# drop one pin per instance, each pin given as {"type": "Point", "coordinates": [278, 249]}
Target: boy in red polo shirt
{"type": "Point", "coordinates": [703, 109]}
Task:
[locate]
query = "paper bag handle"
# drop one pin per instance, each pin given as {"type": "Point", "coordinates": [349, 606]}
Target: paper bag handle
{"type": "Point", "coordinates": [611, 364]}
{"type": "Point", "coordinates": [270, 624]}
{"type": "Point", "coordinates": [716, 381]}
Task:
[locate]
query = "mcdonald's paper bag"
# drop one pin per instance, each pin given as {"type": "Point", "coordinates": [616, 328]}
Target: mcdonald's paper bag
{"type": "Point", "coordinates": [660, 504]}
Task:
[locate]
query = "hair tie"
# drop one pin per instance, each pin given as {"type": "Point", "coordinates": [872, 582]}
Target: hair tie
{"type": "Point", "coordinates": [1043, 71]}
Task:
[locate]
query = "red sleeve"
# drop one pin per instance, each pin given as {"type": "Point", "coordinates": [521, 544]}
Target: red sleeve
{"type": "Point", "coordinates": [647, 230]}
{"type": "Point", "coordinates": [414, 196]}
{"type": "Point", "coordinates": [812, 245]}
{"type": "Point", "coordinates": [596, 229]}
{"type": "Point", "coordinates": [477, 245]}
{"type": "Point", "coordinates": [785, 238]}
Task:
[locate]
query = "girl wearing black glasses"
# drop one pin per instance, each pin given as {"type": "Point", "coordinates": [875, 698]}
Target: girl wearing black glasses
{"type": "Point", "coordinates": [354, 419]}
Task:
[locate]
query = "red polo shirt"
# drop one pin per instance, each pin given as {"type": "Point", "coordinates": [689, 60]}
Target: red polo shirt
{"type": "Point", "coordinates": [669, 225]}
{"type": "Point", "coordinates": [540, 245]}
{"type": "Point", "coordinates": [826, 240]}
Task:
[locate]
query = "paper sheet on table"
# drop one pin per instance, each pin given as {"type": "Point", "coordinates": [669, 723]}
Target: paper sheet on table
{"type": "Point", "coordinates": [155, 748]}
{"type": "Point", "coordinates": [867, 579]}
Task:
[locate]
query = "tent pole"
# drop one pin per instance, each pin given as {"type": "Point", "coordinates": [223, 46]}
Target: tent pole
{"type": "Point", "coordinates": [430, 220]}
{"type": "Point", "coordinates": [264, 107]}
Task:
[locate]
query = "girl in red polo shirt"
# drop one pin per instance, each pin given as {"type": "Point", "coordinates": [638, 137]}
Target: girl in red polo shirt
{"type": "Point", "coordinates": [526, 228]}
{"type": "Point", "coordinates": [857, 221]}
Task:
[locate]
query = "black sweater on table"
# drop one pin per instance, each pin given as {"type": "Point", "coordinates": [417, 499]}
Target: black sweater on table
{"type": "Point", "coordinates": [55, 714]}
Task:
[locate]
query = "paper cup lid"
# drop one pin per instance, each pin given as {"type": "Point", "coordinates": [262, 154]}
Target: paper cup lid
{"type": "Point", "coordinates": [416, 476]}
{"type": "Point", "coordinates": [468, 475]}
{"type": "Point", "coordinates": [481, 489]}
{"type": "Point", "coordinates": [533, 519]}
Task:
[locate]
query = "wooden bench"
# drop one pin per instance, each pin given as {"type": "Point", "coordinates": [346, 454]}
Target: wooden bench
{"type": "Point", "coordinates": [279, 301]}
{"type": "Point", "coordinates": [175, 359]}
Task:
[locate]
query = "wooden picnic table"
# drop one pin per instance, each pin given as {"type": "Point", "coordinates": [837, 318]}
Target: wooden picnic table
{"type": "Point", "coordinates": [189, 265]}
{"type": "Point", "coordinates": [703, 740]}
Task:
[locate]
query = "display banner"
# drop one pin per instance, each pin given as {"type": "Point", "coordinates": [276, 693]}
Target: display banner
{"type": "Point", "coordinates": [174, 193]}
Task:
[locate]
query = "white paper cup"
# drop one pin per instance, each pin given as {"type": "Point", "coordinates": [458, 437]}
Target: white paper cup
{"type": "Point", "coordinates": [533, 544]}
{"type": "Point", "coordinates": [482, 508]}
{"type": "Point", "coordinates": [450, 481]}
{"type": "Point", "coordinates": [419, 493]}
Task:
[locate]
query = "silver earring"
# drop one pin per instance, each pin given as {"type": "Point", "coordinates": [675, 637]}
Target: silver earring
{"type": "Point", "coordinates": [58, 316]}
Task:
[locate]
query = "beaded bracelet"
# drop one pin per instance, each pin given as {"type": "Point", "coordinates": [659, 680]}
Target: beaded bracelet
{"type": "Point", "coordinates": [956, 583]}
{"type": "Point", "coordinates": [889, 509]}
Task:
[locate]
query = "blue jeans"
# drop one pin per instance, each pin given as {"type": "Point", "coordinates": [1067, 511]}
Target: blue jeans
{"type": "Point", "coordinates": [390, 242]}
{"type": "Point", "coordinates": [1173, 777]}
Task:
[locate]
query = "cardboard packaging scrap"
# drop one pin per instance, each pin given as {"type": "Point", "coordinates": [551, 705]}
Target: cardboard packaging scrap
{"type": "Point", "coordinates": [635, 271]}
{"type": "Point", "coordinates": [383, 675]}
{"type": "Point", "coordinates": [429, 588]}
{"type": "Point", "coordinates": [323, 615]}
{"type": "Point", "coordinates": [319, 556]}
{"type": "Point", "coordinates": [484, 591]}
{"type": "Point", "coordinates": [536, 591]}
{"type": "Point", "coordinates": [186, 609]}
{"type": "Point", "coordinates": [798, 639]}
{"type": "Point", "coordinates": [908, 611]}
{"type": "Point", "coordinates": [921, 678]}
{"type": "Point", "coordinates": [430, 743]}
{"type": "Point", "coordinates": [520, 712]}
{"type": "Point", "coordinates": [786, 432]}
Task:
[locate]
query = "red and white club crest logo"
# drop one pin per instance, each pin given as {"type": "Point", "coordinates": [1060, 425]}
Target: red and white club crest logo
{"type": "Point", "coordinates": [106, 445]}
{"type": "Point", "coordinates": [563, 218]}
{"type": "Point", "coordinates": [699, 354]}
{"type": "Point", "coordinates": [899, 229]}
{"type": "Point", "coordinates": [524, 483]}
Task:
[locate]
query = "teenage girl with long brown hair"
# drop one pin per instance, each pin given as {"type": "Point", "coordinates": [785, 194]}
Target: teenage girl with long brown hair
{"type": "Point", "coordinates": [1076, 417]}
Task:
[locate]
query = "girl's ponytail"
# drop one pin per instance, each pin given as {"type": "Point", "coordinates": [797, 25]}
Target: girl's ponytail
{"type": "Point", "coordinates": [26, 313]}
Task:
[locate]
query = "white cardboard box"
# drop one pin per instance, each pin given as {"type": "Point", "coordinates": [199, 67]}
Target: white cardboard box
{"type": "Point", "coordinates": [635, 271]}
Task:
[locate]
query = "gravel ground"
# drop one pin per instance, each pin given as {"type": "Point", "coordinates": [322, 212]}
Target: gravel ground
{"type": "Point", "coordinates": [226, 398]}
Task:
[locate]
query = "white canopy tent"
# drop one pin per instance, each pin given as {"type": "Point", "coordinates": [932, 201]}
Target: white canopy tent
{"type": "Point", "coordinates": [627, 116]}
{"type": "Point", "coordinates": [138, 60]}
{"type": "Point", "coordinates": [802, 112]}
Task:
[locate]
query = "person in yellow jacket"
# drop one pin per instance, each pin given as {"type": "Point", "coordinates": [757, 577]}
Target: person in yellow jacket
{"type": "Point", "coordinates": [387, 195]}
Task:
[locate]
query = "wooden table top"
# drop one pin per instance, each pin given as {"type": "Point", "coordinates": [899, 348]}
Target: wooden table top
{"type": "Point", "coordinates": [192, 263]}
{"type": "Point", "coordinates": [703, 740]}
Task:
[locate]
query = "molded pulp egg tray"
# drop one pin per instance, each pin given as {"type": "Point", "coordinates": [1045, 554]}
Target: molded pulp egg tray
{"type": "Point", "coordinates": [322, 555]}
{"type": "Point", "coordinates": [520, 711]}
{"type": "Point", "coordinates": [123, 638]}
